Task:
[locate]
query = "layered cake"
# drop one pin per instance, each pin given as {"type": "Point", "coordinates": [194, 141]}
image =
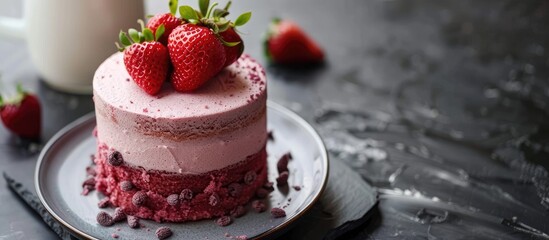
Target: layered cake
{"type": "Point", "coordinates": [179, 156]}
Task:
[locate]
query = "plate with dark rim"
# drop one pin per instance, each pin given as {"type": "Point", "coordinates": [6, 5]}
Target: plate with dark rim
{"type": "Point", "coordinates": [61, 166]}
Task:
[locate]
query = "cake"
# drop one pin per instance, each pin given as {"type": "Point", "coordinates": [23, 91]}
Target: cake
{"type": "Point", "coordinates": [178, 156]}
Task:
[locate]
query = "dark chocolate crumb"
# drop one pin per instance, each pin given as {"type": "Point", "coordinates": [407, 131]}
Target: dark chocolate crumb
{"type": "Point", "coordinates": [91, 171]}
{"type": "Point", "coordinates": [278, 212]}
{"type": "Point", "coordinates": [270, 136]}
{"type": "Point", "coordinates": [104, 202]}
{"type": "Point", "coordinates": [214, 199]}
{"type": "Point", "coordinates": [133, 221]}
{"type": "Point", "coordinates": [282, 179]}
{"type": "Point", "coordinates": [269, 186]}
{"type": "Point", "coordinates": [186, 194]}
{"type": "Point", "coordinates": [234, 189]}
{"type": "Point", "coordinates": [282, 164]}
{"type": "Point", "coordinates": [250, 177]}
{"type": "Point", "coordinates": [89, 182]}
{"type": "Point", "coordinates": [224, 221]}
{"type": "Point", "coordinates": [118, 215]}
{"type": "Point", "coordinates": [116, 159]}
{"type": "Point", "coordinates": [163, 232]}
{"type": "Point", "coordinates": [262, 193]}
{"type": "Point", "coordinates": [258, 206]}
{"type": "Point", "coordinates": [173, 199]}
{"type": "Point", "coordinates": [297, 188]}
{"type": "Point", "coordinates": [104, 219]}
{"type": "Point", "coordinates": [139, 198]}
{"type": "Point", "coordinates": [238, 211]}
{"type": "Point", "coordinates": [126, 186]}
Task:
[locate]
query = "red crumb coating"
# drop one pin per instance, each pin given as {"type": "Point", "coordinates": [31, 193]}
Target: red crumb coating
{"type": "Point", "coordinates": [159, 185]}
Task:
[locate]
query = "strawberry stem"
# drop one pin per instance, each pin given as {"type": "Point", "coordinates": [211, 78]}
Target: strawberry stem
{"type": "Point", "coordinates": [173, 6]}
{"type": "Point", "coordinates": [210, 10]}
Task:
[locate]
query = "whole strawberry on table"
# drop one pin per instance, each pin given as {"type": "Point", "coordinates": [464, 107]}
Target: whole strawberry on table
{"type": "Point", "coordinates": [21, 114]}
{"type": "Point", "coordinates": [287, 44]}
{"type": "Point", "coordinates": [190, 49]}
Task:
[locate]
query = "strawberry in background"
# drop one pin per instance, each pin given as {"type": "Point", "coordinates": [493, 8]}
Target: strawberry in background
{"type": "Point", "coordinates": [22, 114]}
{"type": "Point", "coordinates": [287, 44]}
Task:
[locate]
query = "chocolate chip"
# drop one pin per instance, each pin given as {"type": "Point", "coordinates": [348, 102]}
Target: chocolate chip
{"type": "Point", "coordinates": [91, 171]}
{"type": "Point", "coordinates": [173, 199]}
{"type": "Point", "coordinates": [258, 206]}
{"type": "Point", "coordinates": [278, 212]}
{"type": "Point", "coordinates": [87, 190]}
{"type": "Point", "coordinates": [270, 136]}
{"type": "Point", "coordinates": [269, 186]}
{"type": "Point", "coordinates": [104, 202]}
{"type": "Point", "coordinates": [186, 194]}
{"type": "Point", "coordinates": [133, 221]}
{"type": "Point", "coordinates": [214, 199]}
{"type": "Point", "coordinates": [250, 177]}
{"type": "Point", "coordinates": [116, 159]}
{"type": "Point", "coordinates": [104, 219]}
{"type": "Point", "coordinates": [297, 188]}
{"type": "Point", "coordinates": [118, 215]}
{"type": "Point", "coordinates": [139, 198]}
{"type": "Point", "coordinates": [238, 211]}
{"type": "Point", "coordinates": [163, 232]}
{"type": "Point", "coordinates": [282, 164]}
{"type": "Point", "coordinates": [89, 182]}
{"type": "Point", "coordinates": [234, 189]}
{"type": "Point", "coordinates": [126, 186]}
{"type": "Point", "coordinates": [261, 193]}
{"type": "Point", "coordinates": [282, 179]}
{"type": "Point", "coordinates": [224, 221]}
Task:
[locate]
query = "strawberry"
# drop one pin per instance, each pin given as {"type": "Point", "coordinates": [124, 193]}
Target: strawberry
{"type": "Point", "coordinates": [146, 60]}
{"type": "Point", "coordinates": [234, 52]}
{"type": "Point", "coordinates": [197, 55]}
{"type": "Point", "coordinates": [286, 43]}
{"type": "Point", "coordinates": [169, 20]}
{"type": "Point", "coordinates": [21, 115]}
{"type": "Point", "coordinates": [200, 48]}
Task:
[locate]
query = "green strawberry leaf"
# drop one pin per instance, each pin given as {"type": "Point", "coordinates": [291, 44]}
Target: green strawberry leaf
{"type": "Point", "coordinates": [173, 6]}
{"type": "Point", "coordinates": [159, 31]}
{"type": "Point", "coordinates": [123, 37]}
{"type": "Point", "coordinates": [219, 13]}
{"type": "Point", "coordinates": [134, 35]}
{"type": "Point", "coordinates": [203, 5]}
{"type": "Point", "coordinates": [227, 6]}
{"type": "Point", "coordinates": [208, 14]}
{"type": "Point", "coordinates": [243, 19]}
{"type": "Point", "coordinates": [187, 13]}
{"type": "Point", "coordinates": [228, 44]}
{"type": "Point", "coordinates": [148, 35]}
{"type": "Point", "coordinates": [223, 25]}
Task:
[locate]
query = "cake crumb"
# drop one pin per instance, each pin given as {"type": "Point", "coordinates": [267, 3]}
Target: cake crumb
{"type": "Point", "coordinates": [282, 179]}
{"type": "Point", "coordinates": [297, 188]}
{"type": "Point", "coordinates": [238, 211]}
{"type": "Point", "coordinates": [104, 219]}
{"type": "Point", "coordinates": [114, 235]}
{"type": "Point", "coordinates": [133, 221]}
{"type": "Point", "coordinates": [118, 215]}
{"type": "Point", "coordinates": [104, 202]}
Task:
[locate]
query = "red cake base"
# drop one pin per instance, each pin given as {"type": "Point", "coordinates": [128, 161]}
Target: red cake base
{"type": "Point", "coordinates": [159, 185]}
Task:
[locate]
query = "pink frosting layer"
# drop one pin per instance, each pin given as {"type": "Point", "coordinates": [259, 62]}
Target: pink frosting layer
{"type": "Point", "coordinates": [214, 127]}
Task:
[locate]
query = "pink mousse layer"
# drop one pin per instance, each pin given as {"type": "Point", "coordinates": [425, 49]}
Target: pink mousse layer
{"type": "Point", "coordinates": [217, 126]}
{"type": "Point", "coordinates": [159, 185]}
